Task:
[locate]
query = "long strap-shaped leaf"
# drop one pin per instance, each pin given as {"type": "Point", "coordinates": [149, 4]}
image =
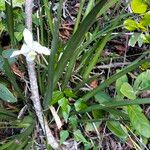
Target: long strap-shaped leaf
{"type": "Point", "coordinates": [76, 39]}
{"type": "Point", "coordinates": [10, 21]}
{"type": "Point", "coordinates": [54, 48]}
{"type": "Point", "coordinates": [114, 104]}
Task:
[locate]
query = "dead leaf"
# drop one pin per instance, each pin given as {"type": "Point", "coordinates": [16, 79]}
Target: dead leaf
{"type": "Point", "coordinates": [94, 84]}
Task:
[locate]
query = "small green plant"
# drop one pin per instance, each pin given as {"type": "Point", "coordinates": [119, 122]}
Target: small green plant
{"type": "Point", "coordinates": [57, 80]}
{"type": "Point", "coordinates": [142, 83]}
{"type": "Point", "coordinates": [141, 23]}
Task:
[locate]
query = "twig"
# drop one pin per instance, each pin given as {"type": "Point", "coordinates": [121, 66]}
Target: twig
{"type": "Point", "coordinates": [34, 87]}
{"type": "Point", "coordinates": [56, 117]}
{"type": "Point", "coordinates": [114, 65]}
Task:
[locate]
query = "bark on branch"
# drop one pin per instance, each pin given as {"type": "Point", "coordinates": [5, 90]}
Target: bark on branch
{"type": "Point", "coordinates": [34, 87]}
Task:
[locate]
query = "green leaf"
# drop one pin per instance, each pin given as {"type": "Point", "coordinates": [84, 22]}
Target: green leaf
{"type": "Point", "coordinates": [100, 8]}
{"type": "Point", "coordinates": [98, 114]}
{"type": "Point", "coordinates": [6, 145]}
{"type": "Point", "coordinates": [142, 82]}
{"type": "Point", "coordinates": [80, 105]}
{"type": "Point", "coordinates": [6, 95]}
{"type": "Point", "coordinates": [57, 95]}
{"type": "Point", "coordinates": [18, 36]}
{"type": "Point", "coordinates": [139, 6]}
{"type": "Point", "coordinates": [89, 8]}
{"type": "Point", "coordinates": [64, 134]}
{"type": "Point", "coordinates": [102, 97]}
{"type": "Point", "coordinates": [69, 93]}
{"type": "Point", "coordinates": [79, 137]}
{"type": "Point", "coordinates": [7, 53]}
{"type": "Point", "coordinates": [116, 128]}
{"type": "Point", "coordinates": [73, 122]}
{"type": "Point", "coordinates": [138, 120]}
{"type": "Point", "coordinates": [2, 5]}
{"type": "Point", "coordinates": [142, 28]}
{"type": "Point", "coordinates": [119, 83]}
{"type": "Point", "coordinates": [147, 39]}
{"type": "Point", "coordinates": [65, 108]}
{"type": "Point", "coordinates": [130, 24]}
{"type": "Point", "coordinates": [114, 104]}
{"type": "Point", "coordinates": [141, 39]}
{"type": "Point", "coordinates": [133, 39]}
{"type": "Point", "coordinates": [127, 90]}
{"type": "Point", "coordinates": [26, 122]}
{"type": "Point", "coordinates": [146, 19]}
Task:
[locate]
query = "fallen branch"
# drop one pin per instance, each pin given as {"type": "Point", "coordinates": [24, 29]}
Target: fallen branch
{"type": "Point", "coordinates": [34, 87]}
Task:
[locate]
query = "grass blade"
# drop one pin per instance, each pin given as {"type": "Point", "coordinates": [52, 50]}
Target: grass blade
{"type": "Point", "coordinates": [10, 23]}
{"type": "Point", "coordinates": [79, 16]}
{"type": "Point", "coordinates": [100, 46]}
{"type": "Point", "coordinates": [54, 48]}
{"type": "Point", "coordinates": [114, 104]}
{"type": "Point", "coordinates": [49, 16]}
{"type": "Point", "coordinates": [79, 34]}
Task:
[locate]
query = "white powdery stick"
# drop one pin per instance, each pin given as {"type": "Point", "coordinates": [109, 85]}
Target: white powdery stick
{"type": "Point", "coordinates": [33, 79]}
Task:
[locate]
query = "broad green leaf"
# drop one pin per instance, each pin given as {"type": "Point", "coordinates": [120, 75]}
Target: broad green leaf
{"type": "Point", "coordinates": [133, 39]}
{"type": "Point", "coordinates": [139, 122]}
{"type": "Point", "coordinates": [139, 6]}
{"type": "Point", "coordinates": [146, 19]}
{"type": "Point", "coordinates": [119, 83]}
{"type": "Point", "coordinates": [69, 93]}
{"type": "Point", "coordinates": [142, 28]}
{"type": "Point", "coordinates": [2, 5]}
{"type": "Point", "coordinates": [145, 66]}
{"type": "Point", "coordinates": [137, 38]}
{"type": "Point", "coordinates": [116, 128]}
{"type": "Point", "coordinates": [57, 95]}
{"type": "Point", "coordinates": [80, 105]}
{"type": "Point", "coordinates": [141, 39]}
{"type": "Point", "coordinates": [64, 134]}
{"type": "Point", "coordinates": [65, 108]}
{"type": "Point", "coordinates": [102, 97]}
{"type": "Point", "coordinates": [142, 82]}
{"type": "Point", "coordinates": [127, 90]}
{"type": "Point", "coordinates": [6, 95]}
{"type": "Point", "coordinates": [18, 36]}
{"type": "Point", "coordinates": [147, 39]}
{"type": "Point", "coordinates": [73, 122]}
{"type": "Point", "coordinates": [130, 24]}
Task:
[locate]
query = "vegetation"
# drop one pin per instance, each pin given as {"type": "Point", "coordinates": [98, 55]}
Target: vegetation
{"type": "Point", "coordinates": [74, 74]}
